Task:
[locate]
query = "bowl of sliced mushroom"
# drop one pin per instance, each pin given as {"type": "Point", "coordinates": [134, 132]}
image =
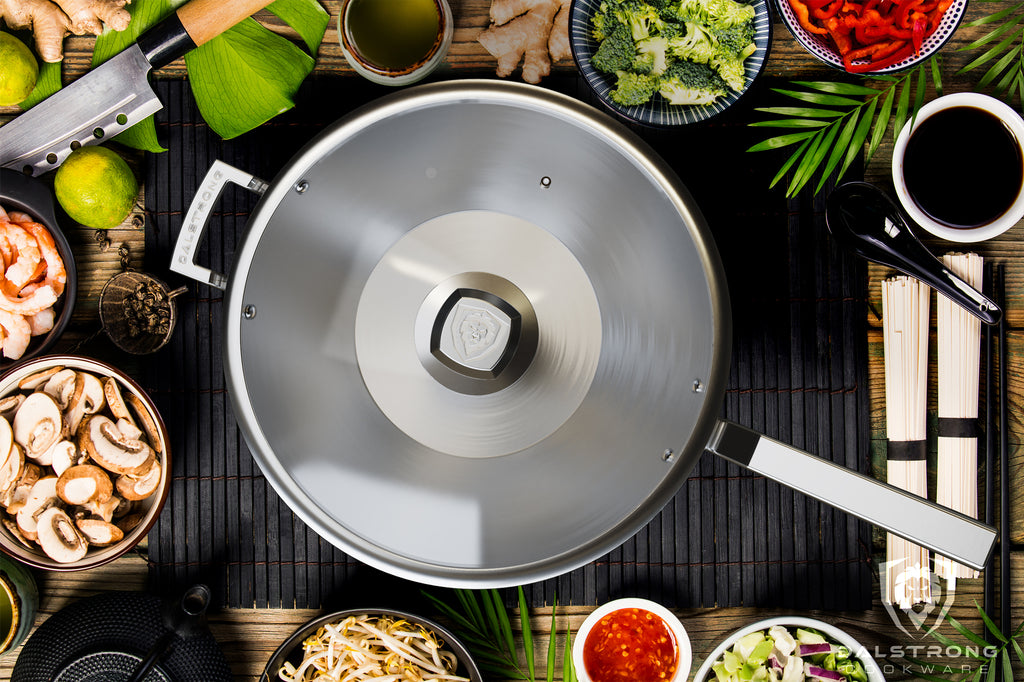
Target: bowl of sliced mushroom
{"type": "Point", "coordinates": [84, 467]}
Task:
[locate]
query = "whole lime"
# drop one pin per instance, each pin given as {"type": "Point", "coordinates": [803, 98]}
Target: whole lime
{"type": "Point", "coordinates": [96, 187]}
{"type": "Point", "coordinates": [18, 70]}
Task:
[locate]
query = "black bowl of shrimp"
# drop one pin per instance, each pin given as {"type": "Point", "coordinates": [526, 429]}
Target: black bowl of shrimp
{"type": "Point", "coordinates": [366, 644]}
{"type": "Point", "coordinates": [38, 282]}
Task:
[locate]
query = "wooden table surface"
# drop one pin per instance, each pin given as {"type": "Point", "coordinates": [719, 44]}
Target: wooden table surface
{"type": "Point", "coordinates": [248, 636]}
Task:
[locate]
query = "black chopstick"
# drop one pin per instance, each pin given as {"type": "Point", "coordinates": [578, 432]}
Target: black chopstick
{"type": "Point", "coordinates": [990, 455]}
{"type": "Point", "coordinates": [1004, 463]}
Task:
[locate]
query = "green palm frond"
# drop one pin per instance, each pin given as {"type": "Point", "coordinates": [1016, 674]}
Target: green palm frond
{"type": "Point", "coordinates": [483, 623]}
{"type": "Point", "coordinates": [836, 119]}
{"type": "Point", "coordinates": [1003, 49]}
{"type": "Point", "coordinates": [989, 658]}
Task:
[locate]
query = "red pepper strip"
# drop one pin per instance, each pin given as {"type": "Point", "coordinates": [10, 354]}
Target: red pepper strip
{"type": "Point", "coordinates": [894, 58]}
{"type": "Point", "coordinates": [903, 12]}
{"type": "Point", "coordinates": [900, 33]}
{"type": "Point", "coordinates": [940, 9]}
{"type": "Point", "coordinates": [803, 16]}
{"type": "Point", "coordinates": [889, 49]}
{"type": "Point", "coordinates": [869, 18]}
{"type": "Point", "coordinates": [918, 32]}
{"type": "Point", "coordinates": [867, 51]}
{"type": "Point", "coordinates": [816, 4]}
{"type": "Point", "coordinates": [840, 36]}
{"type": "Point", "coordinates": [828, 10]}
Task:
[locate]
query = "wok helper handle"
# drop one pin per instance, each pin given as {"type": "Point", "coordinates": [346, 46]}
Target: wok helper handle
{"type": "Point", "coordinates": [941, 530]}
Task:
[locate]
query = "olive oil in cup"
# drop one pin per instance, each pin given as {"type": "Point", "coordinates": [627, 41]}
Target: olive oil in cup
{"type": "Point", "coordinates": [959, 170]}
{"type": "Point", "coordinates": [395, 42]}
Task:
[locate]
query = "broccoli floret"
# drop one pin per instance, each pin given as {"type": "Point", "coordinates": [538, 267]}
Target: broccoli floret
{"type": "Point", "coordinates": [643, 63]}
{"type": "Point", "coordinates": [731, 69]}
{"type": "Point", "coordinates": [632, 89]}
{"type": "Point", "coordinates": [737, 40]}
{"type": "Point", "coordinates": [605, 20]}
{"type": "Point", "coordinates": [642, 19]}
{"type": "Point", "coordinates": [687, 82]}
{"type": "Point", "coordinates": [653, 51]}
{"type": "Point", "coordinates": [727, 13]}
{"type": "Point", "coordinates": [688, 10]}
{"type": "Point", "coordinates": [616, 52]}
{"type": "Point", "coordinates": [697, 44]}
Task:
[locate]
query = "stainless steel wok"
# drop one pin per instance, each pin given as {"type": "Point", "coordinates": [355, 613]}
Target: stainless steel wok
{"type": "Point", "coordinates": [477, 334]}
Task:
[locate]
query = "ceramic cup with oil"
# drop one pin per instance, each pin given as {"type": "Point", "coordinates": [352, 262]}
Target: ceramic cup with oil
{"type": "Point", "coordinates": [395, 42]}
{"type": "Point", "coordinates": [959, 169]}
{"type": "Point", "coordinates": [19, 600]}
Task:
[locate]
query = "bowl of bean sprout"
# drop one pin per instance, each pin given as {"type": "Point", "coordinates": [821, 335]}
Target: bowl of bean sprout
{"type": "Point", "coordinates": [371, 644]}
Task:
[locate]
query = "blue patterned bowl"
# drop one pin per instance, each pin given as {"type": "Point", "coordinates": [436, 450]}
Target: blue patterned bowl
{"type": "Point", "coordinates": [658, 111]}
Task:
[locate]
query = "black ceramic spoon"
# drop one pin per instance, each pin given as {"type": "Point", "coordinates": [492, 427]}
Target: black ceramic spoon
{"type": "Point", "coordinates": [865, 220]}
{"type": "Point", "coordinates": [183, 619]}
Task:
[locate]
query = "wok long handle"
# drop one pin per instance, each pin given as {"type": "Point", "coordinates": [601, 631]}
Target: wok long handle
{"type": "Point", "coordinates": [193, 227]}
{"type": "Point", "coordinates": [941, 530]}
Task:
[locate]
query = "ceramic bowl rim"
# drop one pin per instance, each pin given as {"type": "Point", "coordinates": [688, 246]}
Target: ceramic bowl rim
{"type": "Point", "coordinates": [683, 644]}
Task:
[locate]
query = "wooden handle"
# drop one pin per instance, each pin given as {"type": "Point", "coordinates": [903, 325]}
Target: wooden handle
{"type": "Point", "coordinates": [207, 19]}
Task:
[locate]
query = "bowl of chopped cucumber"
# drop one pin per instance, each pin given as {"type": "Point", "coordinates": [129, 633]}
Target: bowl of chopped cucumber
{"type": "Point", "coordinates": [668, 63]}
{"type": "Point", "coordinates": [789, 649]}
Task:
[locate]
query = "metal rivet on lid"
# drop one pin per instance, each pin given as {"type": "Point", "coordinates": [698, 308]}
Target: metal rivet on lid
{"type": "Point", "coordinates": [302, 187]}
{"type": "Point", "coordinates": [698, 386]}
{"type": "Point", "coordinates": [669, 455]}
{"type": "Point", "coordinates": [249, 311]}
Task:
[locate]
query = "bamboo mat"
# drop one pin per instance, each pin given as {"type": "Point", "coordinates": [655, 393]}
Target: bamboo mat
{"type": "Point", "coordinates": [728, 538]}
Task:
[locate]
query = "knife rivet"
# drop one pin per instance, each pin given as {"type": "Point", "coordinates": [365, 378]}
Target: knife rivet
{"type": "Point", "coordinates": [669, 455]}
{"type": "Point", "coordinates": [249, 311]}
{"type": "Point", "coordinates": [698, 386]}
{"type": "Point", "coordinates": [545, 182]}
{"type": "Point", "coordinates": [51, 158]}
{"type": "Point", "coordinates": [97, 133]}
{"type": "Point", "coordinates": [302, 187]}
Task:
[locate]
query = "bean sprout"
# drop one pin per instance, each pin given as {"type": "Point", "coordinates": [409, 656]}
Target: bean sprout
{"type": "Point", "coordinates": [377, 648]}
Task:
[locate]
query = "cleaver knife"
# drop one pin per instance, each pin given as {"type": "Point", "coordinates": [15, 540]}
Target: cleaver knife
{"type": "Point", "coordinates": [116, 94]}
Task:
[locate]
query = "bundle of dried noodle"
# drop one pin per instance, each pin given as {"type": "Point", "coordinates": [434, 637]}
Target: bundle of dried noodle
{"type": "Point", "coordinates": [959, 358]}
{"type": "Point", "coordinates": [905, 309]}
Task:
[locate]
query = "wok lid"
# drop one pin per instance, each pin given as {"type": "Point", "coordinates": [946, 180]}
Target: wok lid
{"type": "Point", "coordinates": [477, 334]}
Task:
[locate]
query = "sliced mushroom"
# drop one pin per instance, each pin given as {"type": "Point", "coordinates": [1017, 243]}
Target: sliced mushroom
{"type": "Point", "coordinates": [16, 498]}
{"type": "Point", "coordinates": [83, 484]}
{"type": "Point", "coordinates": [59, 538]}
{"type": "Point", "coordinates": [38, 425]}
{"type": "Point", "coordinates": [13, 529]}
{"type": "Point", "coordinates": [10, 404]}
{"type": "Point", "coordinates": [64, 455]}
{"type": "Point", "coordinates": [104, 510]}
{"type": "Point", "coordinates": [129, 430]}
{"type": "Point", "coordinates": [61, 386]}
{"type": "Point", "coordinates": [6, 438]}
{"type": "Point", "coordinates": [139, 487]}
{"type": "Point", "coordinates": [112, 392]}
{"type": "Point", "coordinates": [145, 417]}
{"type": "Point", "coordinates": [100, 438]}
{"type": "Point", "coordinates": [34, 381]}
{"type": "Point", "coordinates": [42, 496]}
{"type": "Point", "coordinates": [128, 523]}
{"type": "Point", "coordinates": [124, 508]}
{"type": "Point", "coordinates": [10, 472]}
{"type": "Point", "coordinates": [99, 532]}
{"type": "Point", "coordinates": [88, 398]}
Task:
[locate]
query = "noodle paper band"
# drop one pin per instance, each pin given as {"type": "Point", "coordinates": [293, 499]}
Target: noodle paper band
{"type": "Point", "coordinates": [905, 318]}
{"type": "Point", "coordinates": [959, 358]}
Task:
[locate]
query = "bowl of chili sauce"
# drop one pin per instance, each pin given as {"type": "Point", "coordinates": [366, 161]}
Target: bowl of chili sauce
{"type": "Point", "coordinates": [631, 640]}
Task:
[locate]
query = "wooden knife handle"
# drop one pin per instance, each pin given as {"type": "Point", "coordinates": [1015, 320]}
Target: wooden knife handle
{"type": "Point", "coordinates": [207, 19]}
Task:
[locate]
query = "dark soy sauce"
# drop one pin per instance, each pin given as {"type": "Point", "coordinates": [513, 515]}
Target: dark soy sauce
{"type": "Point", "coordinates": [963, 167]}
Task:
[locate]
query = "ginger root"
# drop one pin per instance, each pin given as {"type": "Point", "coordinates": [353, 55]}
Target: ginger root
{"type": "Point", "coordinates": [534, 31]}
{"type": "Point", "coordinates": [51, 20]}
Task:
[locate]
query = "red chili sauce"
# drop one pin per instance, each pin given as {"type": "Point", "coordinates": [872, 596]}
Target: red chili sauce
{"type": "Point", "coordinates": [631, 644]}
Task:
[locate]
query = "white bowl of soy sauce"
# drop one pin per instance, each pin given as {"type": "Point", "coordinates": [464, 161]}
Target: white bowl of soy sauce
{"type": "Point", "coordinates": [958, 169]}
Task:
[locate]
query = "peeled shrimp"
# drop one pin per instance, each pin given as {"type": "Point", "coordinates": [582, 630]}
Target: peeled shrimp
{"type": "Point", "coordinates": [26, 255]}
{"type": "Point", "coordinates": [19, 333]}
{"type": "Point", "coordinates": [32, 278]}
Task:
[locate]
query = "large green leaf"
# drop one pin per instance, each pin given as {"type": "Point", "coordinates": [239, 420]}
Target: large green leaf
{"type": "Point", "coordinates": [245, 77]}
{"type": "Point", "coordinates": [241, 79]}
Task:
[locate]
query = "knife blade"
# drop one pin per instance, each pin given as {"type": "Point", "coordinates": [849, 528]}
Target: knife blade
{"type": "Point", "coordinates": [116, 94]}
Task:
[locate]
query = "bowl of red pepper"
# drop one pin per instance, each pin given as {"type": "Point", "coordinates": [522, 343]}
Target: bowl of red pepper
{"type": "Point", "coordinates": [872, 36]}
{"type": "Point", "coordinates": [632, 640]}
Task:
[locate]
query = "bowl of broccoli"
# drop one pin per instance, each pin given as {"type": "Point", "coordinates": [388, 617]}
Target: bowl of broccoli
{"type": "Point", "coordinates": [669, 62]}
